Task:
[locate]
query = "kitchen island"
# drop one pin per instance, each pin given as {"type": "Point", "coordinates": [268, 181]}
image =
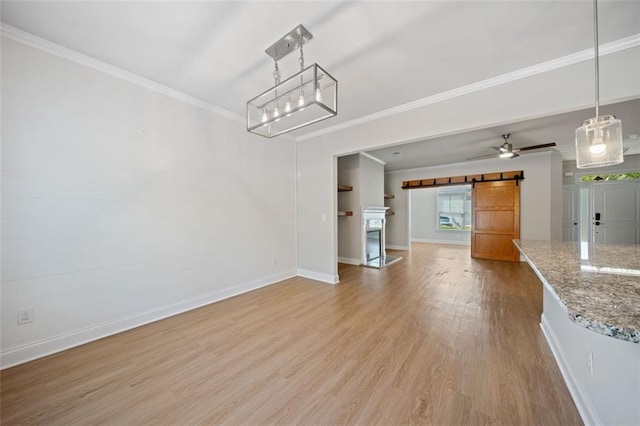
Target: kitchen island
{"type": "Point", "coordinates": [591, 319]}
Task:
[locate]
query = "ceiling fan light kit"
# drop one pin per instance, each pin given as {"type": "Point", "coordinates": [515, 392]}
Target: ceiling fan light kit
{"type": "Point", "coordinates": [599, 139]}
{"type": "Point", "coordinates": [309, 96]}
{"type": "Point", "coordinates": [506, 150]}
{"type": "Point", "coordinates": [508, 154]}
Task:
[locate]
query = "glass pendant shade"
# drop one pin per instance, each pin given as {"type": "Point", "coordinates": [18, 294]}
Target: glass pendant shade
{"type": "Point", "coordinates": [599, 142]}
{"type": "Point", "coordinates": [316, 93]}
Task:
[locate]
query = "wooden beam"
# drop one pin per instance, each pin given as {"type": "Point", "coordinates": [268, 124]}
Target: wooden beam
{"type": "Point", "coordinates": [462, 180]}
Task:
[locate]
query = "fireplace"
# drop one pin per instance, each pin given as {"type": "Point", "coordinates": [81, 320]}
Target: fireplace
{"type": "Point", "coordinates": [373, 238]}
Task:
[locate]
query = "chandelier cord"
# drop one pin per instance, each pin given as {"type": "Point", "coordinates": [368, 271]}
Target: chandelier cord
{"type": "Point", "coordinates": [276, 71]}
{"type": "Point", "coordinates": [301, 59]}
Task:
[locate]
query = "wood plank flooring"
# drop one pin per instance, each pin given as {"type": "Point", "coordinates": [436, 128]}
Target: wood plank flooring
{"type": "Point", "coordinates": [437, 338]}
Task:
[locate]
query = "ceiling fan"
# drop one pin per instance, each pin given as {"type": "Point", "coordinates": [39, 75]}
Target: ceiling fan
{"type": "Point", "coordinates": [506, 150]}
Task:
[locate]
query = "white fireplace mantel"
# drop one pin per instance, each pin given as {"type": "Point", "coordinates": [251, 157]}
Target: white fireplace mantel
{"type": "Point", "coordinates": [372, 212]}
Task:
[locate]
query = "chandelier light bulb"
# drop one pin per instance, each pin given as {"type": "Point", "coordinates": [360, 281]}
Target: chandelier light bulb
{"type": "Point", "coordinates": [598, 147]}
{"type": "Point", "coordinates": [287, 106]}
{"type": "Point", "coordinates": [301, 100]}
{"type": "Point", "coordinates": [318, 94]}
{"type": "Point", "coordinates": [276, 112]}
{"type": "Point", "coordinates": [265, 117]}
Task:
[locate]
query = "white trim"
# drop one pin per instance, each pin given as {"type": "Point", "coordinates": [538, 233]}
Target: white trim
{"type": "Point", "coordinates": [371, 157]}
{"type": "Point", "coordinates": [66, 341]}
{"type": "Point", "coordinates": [349, 261]}
{"type": "Point", "coordinates": [296, 176]}
{"type": "Point", "coordinates": [397, 247]}
{"type": "Point", "coordinates": [564, 61]}
{"type": "Point", "coordinates": [583, 403]}
{"type": "Point", "coordinates": [318, 276]}
{"type": "Point", "coordinates": [64, 52]}
{"type": "Point", "coordinates": [432, 241]}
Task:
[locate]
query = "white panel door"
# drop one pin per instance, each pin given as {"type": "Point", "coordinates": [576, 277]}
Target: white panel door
{"type": "Point", "coordinates": [615, 214]}
{"type": "Point", "coordinates": [570, 209]}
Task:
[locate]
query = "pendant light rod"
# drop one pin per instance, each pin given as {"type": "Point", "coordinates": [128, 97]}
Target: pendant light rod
{"type": "Point", "coordinates": [597, 56]}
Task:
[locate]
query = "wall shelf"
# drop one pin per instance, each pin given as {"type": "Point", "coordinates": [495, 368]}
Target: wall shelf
{"type": "Point", "coordinates": [345, 188]}
{"type": "Point", "coordinates": [389, 196]}
{"type": "Point", "coordinates": [345, 213]}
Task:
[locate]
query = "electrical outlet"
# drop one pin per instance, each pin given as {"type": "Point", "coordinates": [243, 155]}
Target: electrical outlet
{"type": "Point", "coordinates": [590, 362]}
{"type": "Point", "coordinates": [25, 316]}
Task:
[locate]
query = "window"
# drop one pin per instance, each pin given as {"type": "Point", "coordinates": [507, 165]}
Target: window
{"type": "Point", "coordinates": [454, 208]}
{"type": "Point", "coordinates": [610, 176]}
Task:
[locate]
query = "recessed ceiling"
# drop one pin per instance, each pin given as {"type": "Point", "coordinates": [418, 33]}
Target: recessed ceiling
{"type": "Point", "coordinates": [557, 128]}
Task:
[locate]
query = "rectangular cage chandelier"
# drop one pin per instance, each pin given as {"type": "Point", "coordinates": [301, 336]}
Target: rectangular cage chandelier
{"type": "Point", "coordinates": [309, 96]}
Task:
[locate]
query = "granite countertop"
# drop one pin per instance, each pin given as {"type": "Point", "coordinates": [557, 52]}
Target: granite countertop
{"type": "Point", "coordinates": [597, 284]}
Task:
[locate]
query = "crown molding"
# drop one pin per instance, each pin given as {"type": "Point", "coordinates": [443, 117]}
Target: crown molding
{"type": "Point", "coordinates": [64, 52]}
{"type": "Point", "coordinates": [554, 64]}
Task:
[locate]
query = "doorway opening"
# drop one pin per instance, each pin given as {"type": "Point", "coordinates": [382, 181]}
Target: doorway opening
{"type": "Point", "coordinates": [603, 208]}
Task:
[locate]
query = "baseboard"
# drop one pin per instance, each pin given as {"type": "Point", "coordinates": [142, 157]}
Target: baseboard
{"type": "Point", "coordinates": [397, 247]}
{"type": "Point", "coordinates": [63, 342]}
{"type": "Point", "coordinates": [583, 404]}
{"type": "Point", "coordinates": [431, 241]}
{"type": "Point", "coordinates": [318, 276]}
{"type": "Point", "coordinates": [349, 261]}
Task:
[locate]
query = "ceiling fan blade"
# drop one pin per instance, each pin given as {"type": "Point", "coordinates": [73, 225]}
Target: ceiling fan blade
{"type": "Point", "coordinates": [515, 154]}
{"type": "Point", "coordinates": [529, 148]}
{"type": "Point", "coordinates": [498, 148]}
{"type": "Point", "coordinates": [481, 156]}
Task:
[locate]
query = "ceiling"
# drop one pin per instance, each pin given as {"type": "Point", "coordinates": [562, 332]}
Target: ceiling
{"type": "Point", "coordinates": [383, 53]}
{"type": "Point", "coordinates": [557, 128]}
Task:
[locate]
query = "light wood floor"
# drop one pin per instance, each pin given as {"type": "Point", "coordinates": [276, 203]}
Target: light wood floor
{"type": "Point", "coordinates": [437, 338]}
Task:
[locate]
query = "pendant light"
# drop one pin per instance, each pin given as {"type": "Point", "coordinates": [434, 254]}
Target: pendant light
{"type": "Point", "coordinates": [599, 139]}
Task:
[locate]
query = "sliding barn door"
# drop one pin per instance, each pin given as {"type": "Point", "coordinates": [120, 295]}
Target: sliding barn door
{"type": "Point", "coordinates": [496, 220]}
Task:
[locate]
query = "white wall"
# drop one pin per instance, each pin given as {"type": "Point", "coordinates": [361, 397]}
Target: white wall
{"type": "Point", "coordinates": [349, 229]}
{"type": "Point", "coordinates": [371, 183]}
{"type": "Point", "coordinates": [121, 205]}
{"type": "Point", "coordinates": [425, 218]}
{"type": "Point", "coordinates": [548, 93]}
{"type": "Point", "coordinates": [539, 217]}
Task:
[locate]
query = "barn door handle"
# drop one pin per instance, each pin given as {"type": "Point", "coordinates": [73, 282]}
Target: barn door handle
{"type": "Point", "coordinates": [597, 219]}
